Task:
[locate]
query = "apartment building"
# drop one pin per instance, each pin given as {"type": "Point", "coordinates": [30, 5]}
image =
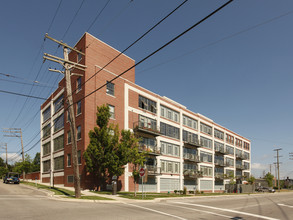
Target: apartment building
{"type": "Point", "coordinates": [184, 149]}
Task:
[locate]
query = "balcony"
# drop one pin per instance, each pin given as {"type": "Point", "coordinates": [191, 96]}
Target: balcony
{"type": "Point", "coordinates": [193, 142]}
{"type": "Point", "coordinates": [219, 150]}
{"type": "Point", "coordinates": [219, 175]}
{"type": "Point", "coordinates": [152, 150]}
{"type": "Point", "coordinates": [240, 167]}
{"type": "Point", "coordinates": [220, 163]}
{"type": "Point", "coordinates": [149, 128]}
{"type": "Point", "coordinates": [191, 157]}
{"type": "Point", "coordinates": [192, 174]}
{"type": "Point", "coordinates": [153, 170]}
{"type": "Point", "coordinates": [240, 156]}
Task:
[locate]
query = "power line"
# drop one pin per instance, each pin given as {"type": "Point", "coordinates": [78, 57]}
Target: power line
{"type": "Point", "coordinates": [50, 26]}
{"type": "Point", "coordinates": [30, 84]}
{"type": "Point", "coordinates": [28, 96]}
{"type": "Point", "coordinates": [162, 47]}
{"type": "Point", "coordinates": [137, 40]}
{"type": "Point", "coordinates": [98, 16]}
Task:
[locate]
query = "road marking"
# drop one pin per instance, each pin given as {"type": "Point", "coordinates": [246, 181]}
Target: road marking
{"type": "Point", "coordinates": [229, 210]}
{"type": "Point", "coordinates": [286, 205]}
{"type": "Point", "coordinates": [212, 213]}
{"type": "Point", "coordinates": [162, 213]}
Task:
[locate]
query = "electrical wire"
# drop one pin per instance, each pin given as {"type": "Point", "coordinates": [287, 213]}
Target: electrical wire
{"type": "Point", "coordinates": [52, 21]}
{"type": "Point", "coordinates": [28, 96]}
{"type": "Point", "coordinates": [30, 84]}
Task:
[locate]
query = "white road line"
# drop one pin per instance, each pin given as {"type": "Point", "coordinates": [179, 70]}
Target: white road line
{"type": "Point", "coordinates": [286, 205]}
{"type": "Point", "coordinates": [212, 213]}
{"type": "Point", "coordinates": [153, 210]}
{"type": "Point", "coordinates": [229, 210]}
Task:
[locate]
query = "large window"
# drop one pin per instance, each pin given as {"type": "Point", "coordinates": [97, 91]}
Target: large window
{"type": "Point", "coordinates": [59, 143]}
{"type": "Point", "coordinates": [206, 171]}
{"type": "Point", "coordinates": [205, 142]}
{"type": "Point", "coordinates": [190, 137]}
{"type": "Point", "coordinates": [246, 165]}
{"type": "Point", "coordinates": [112, 111]}
{"type": "Point", "coordinates": [78, 84]}
{"type": "Point", "coordinates": [229, 162]}
{"type": "Point", "coordinates": [46, 166]}
{"type": "Point", "coordinates": [59, 123]}
{"type": "Point", "coordinates": [189, 166]}
{"type": "Point", "coordinates": [246, 155]}
{"type": "Point", "coordinates": [47, 148]}
{"type": "Point", "coordinates": [229, 139]}
{"type": "Point", "coordinates": [238, 142]}
{"type": "Point", "coordinates": [147, 104]}
{"type": "Point", "coordinates": [246, 146]}
{"type": "Point", "coordinates": [219, 146]}
{"type": "Point", "coordinates": [47, 114]}
{"type": "Point", "coordinates": [189, 153]}
{"type": "Point", "coordinates": [189, 122]}
{"type": "Point", "coordinates": [206, 157]}
{"type": "Point", "coordinates": [110, 88]}
{"type": "Point", "coordinates": [169, 149]}
{"type": "Point", "coordinates": [78, 108]}
{"type": "Point", "coordinates": [229, 150]}
{"type": "Point", "coordinates": [68, 160]}
{"type": "Point", "coordinates": [219, 134]}
{"type": "Point", "coordinates": [169, 130]}
{"type": "Point", "coordinates": [46, 130]}
{"type": "Point", "coordinates": [59, 163]}
{"type": "Point", "coordinates": [169, 166]}
{"type": "Point", "coordinates": [205, 129]}
{"type": "Point", "coordinates": [58, 104]}
{"type": "Point", "coordinates": [170, 114]}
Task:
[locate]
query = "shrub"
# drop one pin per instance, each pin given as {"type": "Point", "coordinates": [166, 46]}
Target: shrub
{"type": "Point", "coordinates": [202, 192]}
{"type": "Point", "coordinates": [184, 190]}
{"type": "Point", "coordinates": [191, 192]}
{"type": "Point", "coordinates": [175, 191]}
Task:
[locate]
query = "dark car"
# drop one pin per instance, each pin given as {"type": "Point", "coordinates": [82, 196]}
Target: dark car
{"type": "Point", "coordinates": [11, 178]}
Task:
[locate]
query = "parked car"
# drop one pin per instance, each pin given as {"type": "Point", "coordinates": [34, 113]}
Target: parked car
{"type": "Point", "coordinates": [11, 177]}
{"type": "Point", "coordinates": [265, 189]}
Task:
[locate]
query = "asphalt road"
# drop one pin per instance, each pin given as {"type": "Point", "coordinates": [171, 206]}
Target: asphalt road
{"type": "Point", "coordinates": [20, 202]}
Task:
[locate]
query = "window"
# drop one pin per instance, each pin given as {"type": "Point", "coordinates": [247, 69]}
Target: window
{"type": "Point", "coordinates": [238, 142]}
{"type": "Point", "coordinates": [112, 111]}
{"type": "Point", "coordinates": [79, 56]}
{"type": "Point", "coordinates": [189, 166]}
{"type": "Point", "coordinates": [59, 143]}
{"type": "Point", "coordinates": [58, 104]}
{"type": "Point", "coordinates": [110, 88]}
{"type": "Point", "coordinates": [219, 134]}
{"type": "Point", "coordinates": [246, 165]}
{"type": "Point", "coordinates": [47, 114]}
{"type": "Point", "coordinates": [78, 108]}
{"type": "Point", "coordinates": [79, 157]}
{"type": "Point", "coordinates": [46, 130]}
{"type": "Point", "coordinates": [147, 104]}
{"type": "Point", "coordinates": [238, 153]}
{"type": "Point", "coordinates": [205, 129]}
{"type": "Point", "coordinates": [229, 150]}
{"type": "Point", "coordinates": [145, 122]}
{"type": "Point", "coordinates": [78, 84]}
{"type": "Point", "coordinates": [246, 155]}
{"type": "Point", "coordinates": [68, 137]}
{"type": "Point", "coordinates": [205, 142]}
{"type": "Point", "coordinates": [206, 157]}
{"type": "Point", "coordinates": [219, 146]}
{"type": "Point", "coordinates": [46, 166]}
{"type": "Point", "coordinates": [189, 122]}
{"type": "Point", "coordinates": [149, 144]}
{"type": "Point", "coordinates": [78, 132]}
{"type": "Point", "coordinates": [206, 171]}
{"type": "Point", "coordinates": [59, 163]}
{"type": "Point", "coordinates": [190, 137]}
{"type": "Point", "coordinates": [229, 172]}
{"type": "Point", "coordinates": [70, 179]}
{"type": "Point", "coordinates": [229, 162]}
{"type": "Point", "coordinates": [68, 160]}
{"type": "Point", "coordinates": [59, 123]}
{"type": "Point", "coordinates": [47, 148]}
{"type": "Point", "coordinates": [169, 130]}
{"type": "Point", "coordinates": [169, 114]}
{"type": "Point", "coordinates": [229, 139]}
{"type": "Point", "coordinates": [189, 153]}
{"type": "Point", "coordinates": [169, 166]}
{"type": "Point", "coordinates": [246, 146]}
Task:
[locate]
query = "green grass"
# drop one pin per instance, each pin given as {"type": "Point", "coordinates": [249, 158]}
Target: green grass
{"type": "Point", "coordinates": [150, 196]}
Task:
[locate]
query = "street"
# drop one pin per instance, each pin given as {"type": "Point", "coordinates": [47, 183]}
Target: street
{"type": "Point", "coordinates": [20, 202]}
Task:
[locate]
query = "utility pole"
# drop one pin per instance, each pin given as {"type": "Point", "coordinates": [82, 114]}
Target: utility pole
{"type": "Point", "coordinates": [16, 132]}
{"type": "Point", "coordinates": [4, 146]}
{"type": "Point", "coordinates": [278, 167]}
{"type": "Point", "coordinates": [270, 168]}
{"type": "Point", "coordinates": [68, 66]}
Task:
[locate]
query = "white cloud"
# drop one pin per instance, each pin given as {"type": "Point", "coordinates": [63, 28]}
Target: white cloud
{"type": "Point", "coordinates": [259, 166]}
{"type": "Point", "coordinates": [12, 157]}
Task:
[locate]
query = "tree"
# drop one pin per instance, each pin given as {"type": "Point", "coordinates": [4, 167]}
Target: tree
{"type": "Point", "coordinates": [251, 180]}
{"type": "Point", "coordinates": [36, 162]}
{"type": "Point", "coordinates": [25, 165]}
{"type": "Point", "coordinates": [106, 154]}
{"type": "Point", "coordinates": [269, 178]}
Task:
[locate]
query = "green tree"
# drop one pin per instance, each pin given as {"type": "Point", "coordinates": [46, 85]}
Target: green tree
{"type": "Point", "coordinates": [3, 171]}
{"type": "Point", "coordinates": [36, 163]}
{"type": "Point", "coordinates": [2, 163]}
{"type": "Point", "coordinates": [25, 165]}
{"type": "Point", "coordinates": [251, 180]}
{"type": "Point", "coordinates": [106, 154]}
{"type": "Point", "coordinates": [269, 178]}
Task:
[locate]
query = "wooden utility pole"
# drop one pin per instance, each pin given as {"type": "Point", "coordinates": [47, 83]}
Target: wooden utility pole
{"type": "Point", "coordinates": [4, 146]}
{"type": "Point", "coordinates": [278, 167]}
{"type": "Point", "coordinates": [16, 132]}
{"type": "Point", "coordinates": [68, 65]}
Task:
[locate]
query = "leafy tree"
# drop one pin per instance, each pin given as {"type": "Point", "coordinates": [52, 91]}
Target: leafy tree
{"type": "Point", "coordinates": [23, 166]}
{"type": "Point", "coordinates": [2, 163]}
{"type": "Point", "coordinates": [251, 180]}
{"type": "Point", "coordinates": [3, 171]}
{"type": "Point", "coordinates": [106, 154]}
{"type": "Point", "coordinates": [36, 163]}
{"type": "Point", "coordinates": [269, 178]}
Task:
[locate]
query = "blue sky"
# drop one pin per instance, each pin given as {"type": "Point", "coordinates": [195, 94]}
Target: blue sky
{"type": "Point", "coordinates": [235, 68]}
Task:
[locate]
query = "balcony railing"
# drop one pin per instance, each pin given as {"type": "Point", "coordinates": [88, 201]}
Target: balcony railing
{"type": "Point", "coordinates": [192, 174]}
{"type": "Point", "coordinates": [240, 156]}
{"type": "Point", "coordinates": [153, 170]}
{"type": "Point", "coordinates": [219, 175]}
{"type": "Point", "coordinates": [191, 157]}
{"type": "Point", "coordinates": [240, 166]}
{"type": "Point", "coordinates": [154, 150]}
{"type": "Point", "coordinates": [193, 142]}
{"type": "Point", "coordinates": [220, 163]}
{"type": "Point", "coordinates": [220, 150]}
{"type": "Point", "coordinates": [149, 128]}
